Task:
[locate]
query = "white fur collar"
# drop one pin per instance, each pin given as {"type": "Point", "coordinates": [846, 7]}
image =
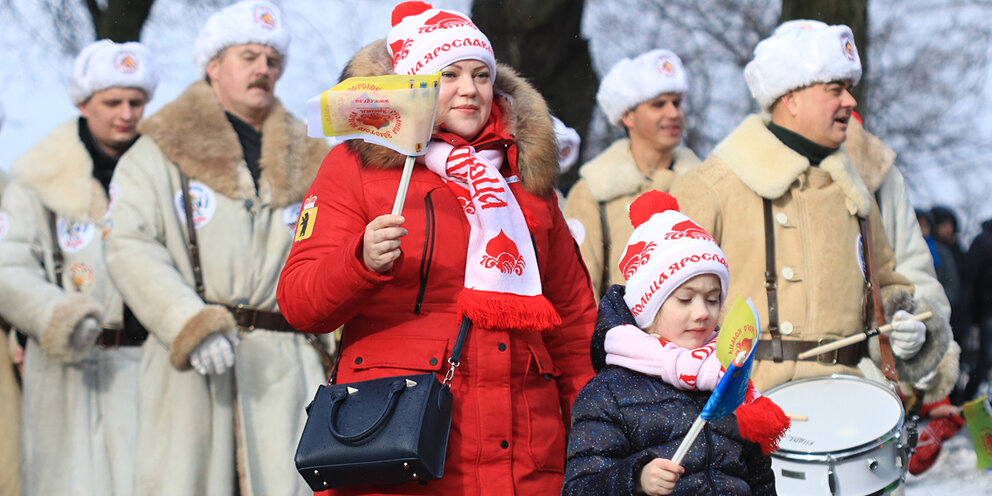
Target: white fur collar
{"type": "Point", "coordinates": [613, 173]}
{"type": "Point", "coordinates": [769, 168]}
{"type": "Point", "coordinates": [59, 170]}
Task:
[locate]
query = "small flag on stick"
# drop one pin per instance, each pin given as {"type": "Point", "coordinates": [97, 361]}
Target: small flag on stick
{"type": "Point", "coordinates": [978, 415]}
{"type": "Point", "coordinates": [735, 346]}
{"type": "Point", "coordinates": [393, 111]}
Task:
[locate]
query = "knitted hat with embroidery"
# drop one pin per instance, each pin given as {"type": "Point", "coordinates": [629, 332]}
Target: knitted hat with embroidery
{"type": "Point", "coordinates": [424, 40]}
{"type": "Point", "coordinates": [798, 54]}
{"type": "Point", "coordinates": [243, 23]}
{"type": "Point", "coordinates": [631, 82]}
{"type": "Point", "coordinates": [104, 64]}
{"type": "Point", "coordinates": [665, 250]}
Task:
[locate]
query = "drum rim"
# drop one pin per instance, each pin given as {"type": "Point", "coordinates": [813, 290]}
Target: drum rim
{"type": "Point", "coordinates": [892, 434]}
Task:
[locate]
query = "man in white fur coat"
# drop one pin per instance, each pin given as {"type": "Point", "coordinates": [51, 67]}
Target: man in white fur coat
{"type": "Point", "coordinates": [79, 421]}
{"type": "Point", "coordinates": [788, 170]}
{"type": "Point", "coordinates": [224, 378]}
{"type": "Point", "coordinates": [643, 96]}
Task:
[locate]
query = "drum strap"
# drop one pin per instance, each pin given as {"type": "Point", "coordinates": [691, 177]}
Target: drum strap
{"type": "Point", "coordinates": [771, 288]}
{"type": "Point", "coordinates": [194, 247]}
{"type": "Point", "coordinates": [873, 303]}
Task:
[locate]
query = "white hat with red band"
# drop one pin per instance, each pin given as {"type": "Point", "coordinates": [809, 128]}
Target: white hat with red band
{"type": "Point", "coordinates": [424, 40]}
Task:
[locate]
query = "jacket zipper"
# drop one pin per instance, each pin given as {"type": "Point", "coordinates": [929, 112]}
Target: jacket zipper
{"type": "Point", "coordinates": [428, 255]}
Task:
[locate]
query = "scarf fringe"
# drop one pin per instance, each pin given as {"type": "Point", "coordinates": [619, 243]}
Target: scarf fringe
{"type": "Point", "coordinates": [762, 422]}
{"type": "Point", "coordinates": [491, 309]}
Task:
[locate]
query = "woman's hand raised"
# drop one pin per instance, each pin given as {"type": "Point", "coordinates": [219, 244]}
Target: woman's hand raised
{"type": "Point", "coordinates": [381, 243]}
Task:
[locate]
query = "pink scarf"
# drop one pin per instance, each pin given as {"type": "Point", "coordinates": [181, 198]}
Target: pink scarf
{"type": "Point", "coordinates": [693, 370]}
{"type": "Point", "coordinates": [502, 280]}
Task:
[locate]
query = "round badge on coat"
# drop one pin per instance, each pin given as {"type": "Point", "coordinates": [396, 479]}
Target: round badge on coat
{"type": "Point", "coordinates": [290, 216]}
{"type": "Point", "coordinates": [203, 200]}
{"type": "Point", "coordinates": [4, 225]}
{"type": "Point", "coordinates": [81, 277]}
{"type": "Point", "coordinates": [577, 229]}
{"type": "Point", "coordinates": [74, 236]}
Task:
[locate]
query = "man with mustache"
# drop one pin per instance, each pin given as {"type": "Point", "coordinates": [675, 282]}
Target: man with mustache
{"type": "Point", "coordinates": [792, 214]}
{"type": "Point", "coordinates": [208, 204]}
{"type": "Point", "coordinates": [79, 404]}
{"type": "Point", "coordinates": [643, 97]}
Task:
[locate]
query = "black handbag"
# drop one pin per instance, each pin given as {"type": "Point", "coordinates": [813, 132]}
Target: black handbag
{"type": "Point", "coordinates": [381, 431]}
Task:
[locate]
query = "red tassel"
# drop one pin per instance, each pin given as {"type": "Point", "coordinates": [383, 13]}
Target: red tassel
{"type": "Point", "coordinates": [762, 422]}
{"type": "Point", "coordinates": [489, 309]}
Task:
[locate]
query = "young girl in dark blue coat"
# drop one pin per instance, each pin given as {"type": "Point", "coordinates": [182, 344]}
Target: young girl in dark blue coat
{"type": "Point", "coordinates": [660, 368]}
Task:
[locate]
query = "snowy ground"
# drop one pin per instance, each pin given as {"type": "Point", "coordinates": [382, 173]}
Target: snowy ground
{"type": "Point", "coordinates": [954, 473]}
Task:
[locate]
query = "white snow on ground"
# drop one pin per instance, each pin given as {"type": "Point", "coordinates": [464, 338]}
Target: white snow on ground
{"type": "Point", "coordinates": [954, 473]}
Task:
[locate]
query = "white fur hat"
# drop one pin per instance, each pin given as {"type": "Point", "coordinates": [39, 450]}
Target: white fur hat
{"type": "Point", "coordinates": [665, 250]}
{"type": "Point", "coordinates": [243, 23]}
{"type": "Point", "coordinates": [424, 40]}
{"type": "Point", "coordinates": [568, 144]}
{"type": "Point", "coordinates": [104, 64]}
{"type": "Point", "coordinates": [631, 82]}
{"type": "Point", "coordinates": [798, 54]}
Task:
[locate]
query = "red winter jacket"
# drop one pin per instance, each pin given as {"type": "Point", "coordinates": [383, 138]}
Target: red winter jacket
{"type": "Point", "coordinates": [514, 389]}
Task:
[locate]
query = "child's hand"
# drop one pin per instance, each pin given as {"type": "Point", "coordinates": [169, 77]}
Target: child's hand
{"type": "Point", "coordinates": [940, 411]}
{"type": "Point", "coordinates": [659, 477]}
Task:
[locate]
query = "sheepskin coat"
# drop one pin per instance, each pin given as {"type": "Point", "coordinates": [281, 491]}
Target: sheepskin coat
{"type": "Point", "coordinates": [79, 404]}
{"type": "Point", "coordinates": [818, 258]}
{"type": "Point", "coordinates": [10, 408]}
{"type": "Point", "coordinates": [613, 179]}
{"type": "Point", "coordinates": [514, 388]}
{"type": "Point", "coordinates": [188, 432]}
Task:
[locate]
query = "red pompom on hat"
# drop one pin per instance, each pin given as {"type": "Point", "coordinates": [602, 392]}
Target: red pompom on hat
{"type": "Point", "coordinates": [650, 203]}
{"type": "Point", "coordinates": [409, 9]}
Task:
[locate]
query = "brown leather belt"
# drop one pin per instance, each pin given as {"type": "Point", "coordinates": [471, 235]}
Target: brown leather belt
{"type": "Point", "coordinates": [848, 355]}
{"type": "Point", "coordinates": [249, 319]}
{"type": "Point", "coordinates": [110, 338]}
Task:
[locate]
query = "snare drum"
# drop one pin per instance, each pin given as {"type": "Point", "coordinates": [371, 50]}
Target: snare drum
{"type": "Point", "coordinates": [852, 442]}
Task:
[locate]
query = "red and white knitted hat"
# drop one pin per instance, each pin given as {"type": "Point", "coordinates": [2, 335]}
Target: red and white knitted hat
{"type": "Point", "coordinates": [665, 250]}
{"type": "Point", "coordinates": [424, 40]}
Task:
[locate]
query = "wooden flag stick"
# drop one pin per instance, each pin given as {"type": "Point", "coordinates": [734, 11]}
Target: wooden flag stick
{"type": "Point", "coordinates": [404, 184]}
{"type": "Point", "coordinates": [857, 338]}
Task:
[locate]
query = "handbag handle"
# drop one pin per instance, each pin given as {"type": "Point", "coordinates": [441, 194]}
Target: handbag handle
{"type": "Point", "coordinates": [338, 397]}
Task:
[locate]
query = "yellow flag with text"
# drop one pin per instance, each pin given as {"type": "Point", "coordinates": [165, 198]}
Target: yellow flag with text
{"type": "Point", "coordinates": [393, 111]}
{"type": "Point", "coordinates": [739, 332]}
{"type": "Point", "coordinates": [978, 415]}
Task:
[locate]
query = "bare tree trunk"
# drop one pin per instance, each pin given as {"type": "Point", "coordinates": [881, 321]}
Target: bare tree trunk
{"type": "Point", "coordinates": [853, 13]}
{"type": "Point", "coordinates": [121, 20]}
{"type": "Point", "coordinates": [542, 40]}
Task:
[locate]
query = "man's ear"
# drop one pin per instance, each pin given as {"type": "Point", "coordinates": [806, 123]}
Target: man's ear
{"type": "Point", "coordinates": [627, 119]}
{"type": "Point", "coordinates": [84, 109]}
{"type": "Point", "coordinates": [213, 68]}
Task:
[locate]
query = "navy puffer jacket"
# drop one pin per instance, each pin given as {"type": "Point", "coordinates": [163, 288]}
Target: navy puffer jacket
{"type": "Point", "coordinates": [622, 419]}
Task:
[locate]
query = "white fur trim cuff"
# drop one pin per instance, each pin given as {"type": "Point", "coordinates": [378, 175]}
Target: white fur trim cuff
{"type": "Point", "coordinates": [54, 338]}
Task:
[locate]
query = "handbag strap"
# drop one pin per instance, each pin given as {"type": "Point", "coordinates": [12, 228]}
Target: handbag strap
{"type": "Point", "coordinates": [771, 287]}
{"type": "Point", "coordinates": [874, 300]}
{"type": "Point", "coordinates": [456, 351]}
{"type": "Point", "coordinates": [604, 224]}
{"type": "Point", "coordinates": [194, 247]}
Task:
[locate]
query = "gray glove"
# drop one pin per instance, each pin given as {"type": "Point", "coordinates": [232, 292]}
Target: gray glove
{"type": "Point", "coordinates": [907, 336]}
{"type": "Point", "coordinates": [85, 332]}
{"type": "Point", "coordinates": [215, 354]}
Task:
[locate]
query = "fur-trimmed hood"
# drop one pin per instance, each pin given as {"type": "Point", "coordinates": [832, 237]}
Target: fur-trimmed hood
{"type": "Point", "coordinates": [870, 157]}
{"type": "Point", "coordinates": [613, 173]}
{"type": "Point", "coordinates": [760, 161]}
{"type": "Point", "coordinates": [525, 114]}
{"type": "Point", "coordinates": [193, 132]}
{"type": "Point", "coordinates": [59, 170]}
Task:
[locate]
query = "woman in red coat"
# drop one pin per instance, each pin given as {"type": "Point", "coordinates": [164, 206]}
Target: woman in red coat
{"type": "Point", "coordinates": [480, 236]}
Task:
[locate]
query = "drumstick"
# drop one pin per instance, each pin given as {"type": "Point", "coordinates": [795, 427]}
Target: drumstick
{"type": "Point", "coordinates": [857, 338]}
{"type": "Point", "coordinates": [404, 184]}
{"type": "Point", "coordinates": [800, 418]}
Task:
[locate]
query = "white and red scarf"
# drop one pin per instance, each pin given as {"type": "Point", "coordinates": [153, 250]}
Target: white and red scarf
{"type": "Point", "coordinates": [502, 279]}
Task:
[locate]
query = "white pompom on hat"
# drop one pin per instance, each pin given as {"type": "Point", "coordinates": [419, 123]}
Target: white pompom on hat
{"type": "Point", "coordinates": [243, 23]}
{"type": "Point", "coordinates": [104, 64]}
{"type": "Point", "coordinates": [798, 54]}
{"type": "Point", "coordinates": [631, 82]}
{"type": "Point", "coordinates": [425, 40]}
{"type": "Point", "coordinates": [568, 144]}
{"type": "Point", "coordinates": [665, 250]}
